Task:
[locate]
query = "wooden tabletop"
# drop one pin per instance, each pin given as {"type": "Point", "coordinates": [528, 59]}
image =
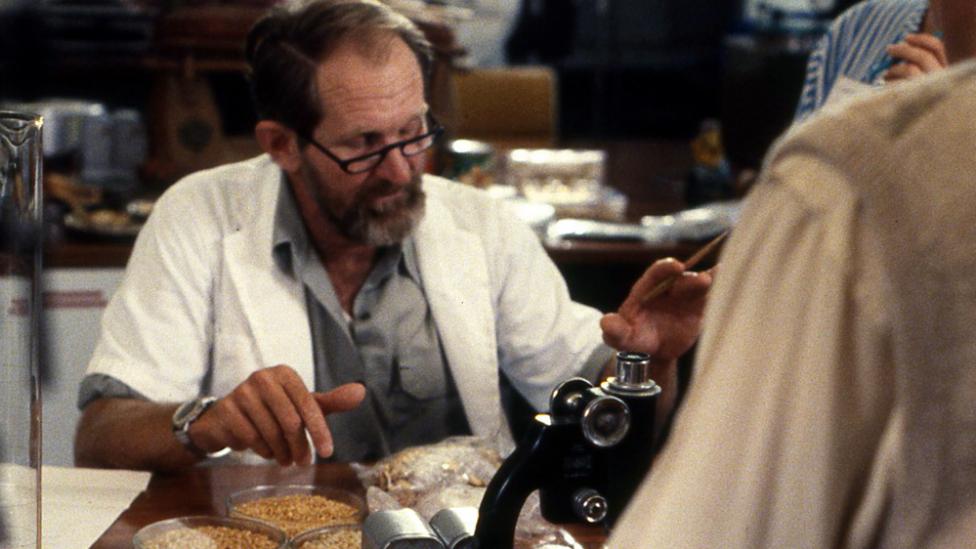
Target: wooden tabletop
{"type": "Point", "coordinates": [204, 491]}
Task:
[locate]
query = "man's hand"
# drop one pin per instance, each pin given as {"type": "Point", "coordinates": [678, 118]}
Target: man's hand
{"type": "Point", "coordinates": [666, 326]}
{"type": "Point", "coordinates": [270, 412]}
{"type": "Point", "coordinates": [918, 54]}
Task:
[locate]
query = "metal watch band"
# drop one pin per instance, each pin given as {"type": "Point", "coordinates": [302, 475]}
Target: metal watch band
{"type": "Point", "coordinates": [184, 416]}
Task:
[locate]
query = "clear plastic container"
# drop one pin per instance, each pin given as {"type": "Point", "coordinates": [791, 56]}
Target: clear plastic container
{"type": "Point", "coordinates": [298, 508]}
{"type": "Point", "coordinates": [557, 176]}
{"type": "Point", "coordinates": [20, 313]}
{"type": "Point", "coordinates": [345, 536]}
{"type": "Point", "coordinates": [209, 532]}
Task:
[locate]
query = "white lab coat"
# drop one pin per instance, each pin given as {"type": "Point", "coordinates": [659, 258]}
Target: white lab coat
{"type": "Point", "coordinates": [203, 305]}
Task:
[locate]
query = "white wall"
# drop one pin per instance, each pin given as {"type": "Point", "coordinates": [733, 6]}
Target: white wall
{"type": "Point", "coordinates": [484, 35]}
{"type": "Point", "coordinates": [74, 300]}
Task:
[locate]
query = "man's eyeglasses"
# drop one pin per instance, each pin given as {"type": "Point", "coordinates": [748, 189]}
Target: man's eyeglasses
{"type": "Point", "coordinates": [367, 162]}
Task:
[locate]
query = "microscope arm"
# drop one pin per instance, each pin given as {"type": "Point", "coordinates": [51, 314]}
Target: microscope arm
{"type": "Point", "coordinates": [520, 475]}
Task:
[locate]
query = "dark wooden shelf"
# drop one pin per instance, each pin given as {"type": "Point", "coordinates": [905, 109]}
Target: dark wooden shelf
{"type": "Point", "coordinates": [91, 254]}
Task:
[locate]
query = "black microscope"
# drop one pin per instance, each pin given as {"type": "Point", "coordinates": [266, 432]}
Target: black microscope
{"type": "Point", "coordinates": [586, 456]}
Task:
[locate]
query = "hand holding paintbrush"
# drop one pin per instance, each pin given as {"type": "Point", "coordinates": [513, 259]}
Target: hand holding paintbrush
{"type": "Point", "coordinates": [662, 314]}
{"type": "Point", "coordinates": [701, 254]}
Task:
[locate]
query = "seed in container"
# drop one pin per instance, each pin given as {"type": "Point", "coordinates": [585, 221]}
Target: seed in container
{"type": "Point", "coordinates": [333, 537]}
{"type": "Point", "coordinates": [296, 513]}
{"type": "Point", "coordinates": [210, 537]}
{"type": "Point", "coordinates": [209, 532]}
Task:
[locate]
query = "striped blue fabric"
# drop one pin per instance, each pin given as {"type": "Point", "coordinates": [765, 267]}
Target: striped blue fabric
{"type": "Point", "coordinates": [854, 47]}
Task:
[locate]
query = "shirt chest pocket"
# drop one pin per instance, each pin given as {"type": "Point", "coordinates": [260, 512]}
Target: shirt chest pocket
{"type": "Point", "coordinates": [405, 369]}
{"type": "Point", "coordinates": [422, 372]}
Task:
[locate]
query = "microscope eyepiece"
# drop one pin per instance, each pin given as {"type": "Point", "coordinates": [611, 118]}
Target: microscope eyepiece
{"type": "Point", "coordinates": [633, 368]}
{"type": "Point", "coordinates": [633, 376]}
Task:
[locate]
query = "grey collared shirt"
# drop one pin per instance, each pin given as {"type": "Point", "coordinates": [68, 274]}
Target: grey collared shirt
{"type": "Point", "coordinates": [388, 342]}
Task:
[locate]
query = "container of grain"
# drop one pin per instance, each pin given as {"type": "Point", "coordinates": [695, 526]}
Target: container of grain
{"type": "Point", "coordinates": [347, 536]}
{"type": "Point", "coordinates": [209, 532]}
{"type": "Point", "coordinates": [298, 508]}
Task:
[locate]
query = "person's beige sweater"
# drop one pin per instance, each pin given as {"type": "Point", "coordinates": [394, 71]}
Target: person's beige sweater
{"type": "Point", "coordinates": [834, 398]}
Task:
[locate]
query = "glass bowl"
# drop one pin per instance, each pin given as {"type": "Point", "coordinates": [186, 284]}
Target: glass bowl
{"type": "Point", "coordinates": [209, 532]}
{"type": "Point", "coordinates": [343, 536]}
{"type": "Point", "coordinates": [298, 508]}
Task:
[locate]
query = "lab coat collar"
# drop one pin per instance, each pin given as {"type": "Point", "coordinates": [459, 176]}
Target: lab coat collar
{"type": "Point", "coordinates": [455, 273]}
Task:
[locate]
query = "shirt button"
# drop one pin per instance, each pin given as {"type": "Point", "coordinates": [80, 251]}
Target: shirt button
{"type": "Point", "coordinates": [363, 317]}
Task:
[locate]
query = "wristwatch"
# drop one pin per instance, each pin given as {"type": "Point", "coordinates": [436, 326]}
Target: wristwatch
{"type": "Point", "coordinates": [187, 413]}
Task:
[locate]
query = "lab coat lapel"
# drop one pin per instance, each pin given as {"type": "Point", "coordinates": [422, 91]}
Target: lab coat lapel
{"type": "Point", "coordinates": [272, 303]}
{"type": "Point", "coordinates": [455, 279]}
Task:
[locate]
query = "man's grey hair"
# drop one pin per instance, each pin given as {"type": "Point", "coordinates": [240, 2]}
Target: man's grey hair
{"type": "Point", "coordinates": [285, 47]}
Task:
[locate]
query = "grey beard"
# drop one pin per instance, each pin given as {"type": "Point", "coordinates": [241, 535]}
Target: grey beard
{"type": "Point", "coordinates": [367, 226]}
{"type": "Point", "coordinates": [372, 229]}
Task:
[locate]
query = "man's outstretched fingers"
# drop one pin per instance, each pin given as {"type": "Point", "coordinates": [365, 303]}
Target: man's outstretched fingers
{"type": "Point", "coordinates": [301, 415]}
{"type": "Point", "coordinates": [341, 399]}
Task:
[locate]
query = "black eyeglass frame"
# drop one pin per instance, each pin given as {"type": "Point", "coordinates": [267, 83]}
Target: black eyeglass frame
{"type": "Point", "coordinates": [433, 134]}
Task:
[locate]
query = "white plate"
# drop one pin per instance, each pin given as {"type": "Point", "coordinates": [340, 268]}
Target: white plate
{"type": "Point", "coordinates": [84, 224]}
{"type": "Point", "coordinates": [536, 214]}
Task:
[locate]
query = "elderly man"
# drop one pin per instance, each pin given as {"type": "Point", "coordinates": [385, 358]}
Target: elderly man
{"type": "Point", "coordinates": [330, 275]}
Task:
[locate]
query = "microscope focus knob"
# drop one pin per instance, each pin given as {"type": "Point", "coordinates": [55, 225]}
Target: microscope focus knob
{"type": "Point", "coordinates": [589, 505]}
{"type": "Point", "coordinates": [605, 421]}
{"type": "Point", "coordinates": [567, 399]}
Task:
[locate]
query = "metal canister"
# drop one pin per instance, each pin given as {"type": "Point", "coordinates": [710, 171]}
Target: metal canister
{"type": "Point", "coordinates": [455, 526]}
{"type": "Point", "coordinates": [398, 529]}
